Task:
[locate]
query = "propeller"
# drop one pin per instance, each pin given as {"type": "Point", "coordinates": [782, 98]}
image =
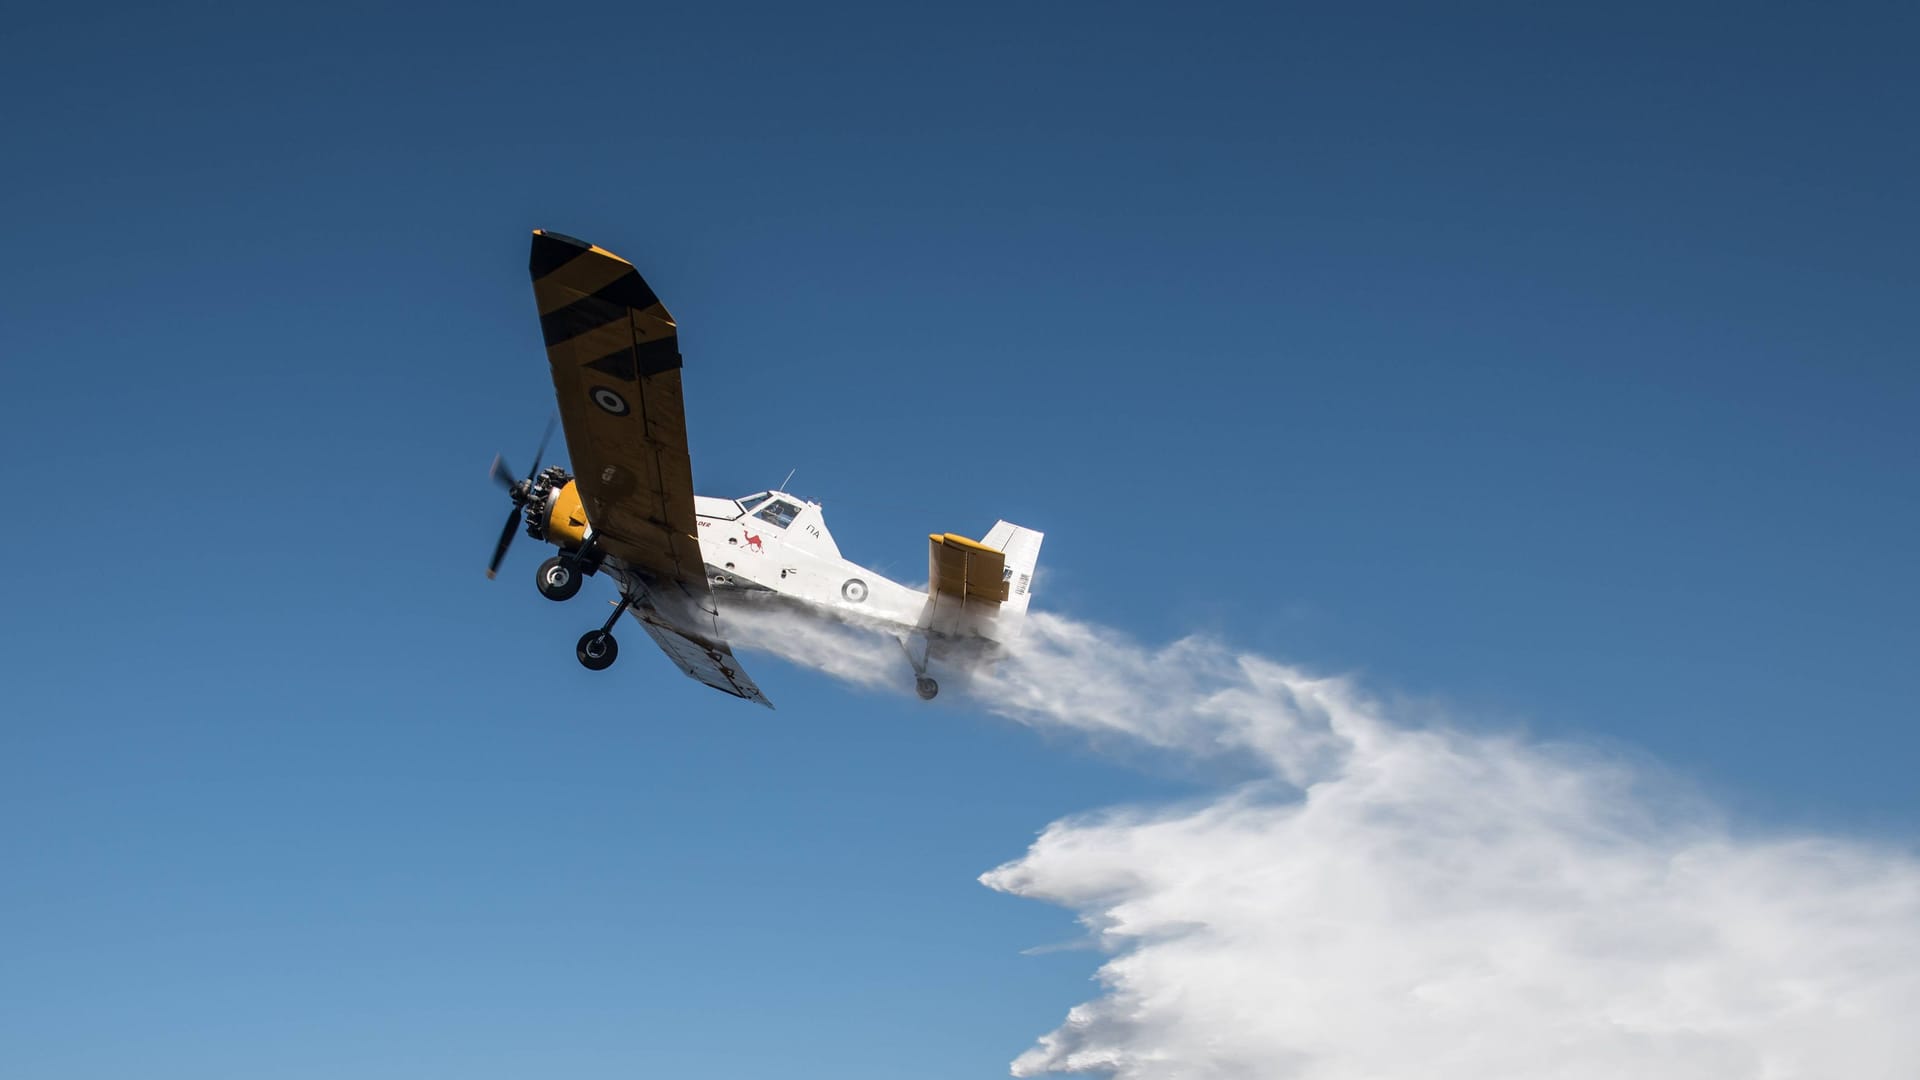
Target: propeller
{"type": "Point", "coordinates": [502, 473]}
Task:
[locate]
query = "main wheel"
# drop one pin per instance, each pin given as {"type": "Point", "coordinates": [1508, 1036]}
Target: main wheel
{"type": "Point", "coordinates": [926, 688]}
{"type": "Point", "coordinates": [597, 650]}
{"type": "Point", "coordinates": [559, 579]}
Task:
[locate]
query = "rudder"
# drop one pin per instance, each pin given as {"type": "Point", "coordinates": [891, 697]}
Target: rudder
{"type": "Point", "coordinates": [1022, 549]}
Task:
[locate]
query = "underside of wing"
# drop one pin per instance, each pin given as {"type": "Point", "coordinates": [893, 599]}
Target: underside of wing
{"type": "Point", "coordinates": [614, 351]}
{"type": "Point", "coordinates": [708, 660]}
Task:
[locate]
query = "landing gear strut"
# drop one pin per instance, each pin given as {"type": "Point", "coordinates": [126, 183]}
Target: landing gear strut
{"type": "Point", "coordinates": [922, 683]}
{"type": "Point", "coordinates": [559, 578]}
{"type": "Point", "coordinates": [597, 649]}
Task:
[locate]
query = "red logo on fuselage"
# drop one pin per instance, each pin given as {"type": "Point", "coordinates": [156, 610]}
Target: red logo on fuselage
{"type": "Point", "coordinates": [754, 542]}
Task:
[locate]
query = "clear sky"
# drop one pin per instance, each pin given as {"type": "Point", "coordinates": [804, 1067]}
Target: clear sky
{"type": "Point", "coordinates": [1542, 369]}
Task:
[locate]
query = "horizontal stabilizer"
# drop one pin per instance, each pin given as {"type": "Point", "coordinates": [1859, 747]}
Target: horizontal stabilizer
{"type": "Point", "coordinates": [965, 569]}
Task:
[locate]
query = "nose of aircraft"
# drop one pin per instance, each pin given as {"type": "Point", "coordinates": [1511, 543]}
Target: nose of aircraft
{"type": "Point", "coordinates": [501, 473]}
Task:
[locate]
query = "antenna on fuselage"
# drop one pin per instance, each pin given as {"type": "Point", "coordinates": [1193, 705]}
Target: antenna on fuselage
{"type": "Point", "coordinates": [790, 472]}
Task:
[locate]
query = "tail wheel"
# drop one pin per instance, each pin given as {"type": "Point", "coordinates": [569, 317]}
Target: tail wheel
{"type": "Point", "coordinates": [926, 688]}
{"type": "Point", "coordinates": [558, 579]}
{"type": "Point", "coordinates": [597, 650]}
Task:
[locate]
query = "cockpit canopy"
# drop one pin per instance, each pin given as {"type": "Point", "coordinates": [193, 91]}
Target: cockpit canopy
{"type": "Point", "coordinates": [799, 522]}
{"type": "Point", "coordinates": [772, 508]}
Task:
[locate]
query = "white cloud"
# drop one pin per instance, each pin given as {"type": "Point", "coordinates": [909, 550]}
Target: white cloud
{"type": "Point", "coordinates": [1391, 901]}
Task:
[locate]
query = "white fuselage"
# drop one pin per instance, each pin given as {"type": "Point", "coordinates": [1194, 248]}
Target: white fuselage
{"type": "Point", "coordinates": [779, 543]}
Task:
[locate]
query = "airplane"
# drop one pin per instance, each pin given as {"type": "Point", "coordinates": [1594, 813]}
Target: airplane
{"type": "Point", "coordinates": [631, 515]}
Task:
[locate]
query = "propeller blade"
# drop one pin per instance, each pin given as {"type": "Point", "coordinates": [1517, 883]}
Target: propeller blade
{"type": "Point", "coordinates": [542, 452]}
{"type": "Point", "coordinates": [506, 539]}
{"type": "Point", "coordinates": [501, 473]}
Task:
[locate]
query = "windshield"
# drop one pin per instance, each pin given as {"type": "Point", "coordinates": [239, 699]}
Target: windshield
{"type": "Point", "coordinates": [752, 501]}
{"type": "Point", "coordinates": [780, 513]}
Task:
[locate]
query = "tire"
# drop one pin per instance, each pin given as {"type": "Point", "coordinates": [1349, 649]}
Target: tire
{"type": "Point", "coordinates": [596, 650]}
{"type": "Point", "coordinates": [558, 579]}
{"type": "Point", "coordinates": [926, 688]}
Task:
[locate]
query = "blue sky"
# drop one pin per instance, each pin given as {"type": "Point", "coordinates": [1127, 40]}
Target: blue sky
{"type": "Point", "coordinates": [1544, 368]}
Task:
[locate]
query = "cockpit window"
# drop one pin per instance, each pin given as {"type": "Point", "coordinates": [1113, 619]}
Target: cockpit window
{"type": "Point", "coordinates": [752, 501]}
{"type": "Point", "coordinates": [780, 513]}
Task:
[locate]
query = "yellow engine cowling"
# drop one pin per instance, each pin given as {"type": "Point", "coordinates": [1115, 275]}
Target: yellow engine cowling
{"type": "Point", "coordinates": [566, 518]}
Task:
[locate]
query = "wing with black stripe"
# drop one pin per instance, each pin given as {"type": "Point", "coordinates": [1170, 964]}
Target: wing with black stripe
{"type": "Point", "coordinates": [615, 356]}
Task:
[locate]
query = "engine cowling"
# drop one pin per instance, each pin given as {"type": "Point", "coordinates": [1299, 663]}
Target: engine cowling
{"type": "Point", "coordinates": [553, 509]}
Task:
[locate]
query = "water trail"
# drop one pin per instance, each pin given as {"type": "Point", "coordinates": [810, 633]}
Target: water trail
{"type": "Point", "coordinates": [1387, 899]}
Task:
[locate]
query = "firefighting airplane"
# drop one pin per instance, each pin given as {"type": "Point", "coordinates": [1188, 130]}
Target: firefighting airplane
{"type": "Point", "coordinates": [631, 513]}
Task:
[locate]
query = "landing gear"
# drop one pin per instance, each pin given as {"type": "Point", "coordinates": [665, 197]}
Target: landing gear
{"type": "Point", "coordinates": [559, 579]}
{"type": "Point", "coordinates": [922, 683]}
{"type": "Point", "coordinates": [597, 650]}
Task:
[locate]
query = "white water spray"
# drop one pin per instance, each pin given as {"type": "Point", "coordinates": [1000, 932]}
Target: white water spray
{"type": "Point", "coordinates": [1392, 901]}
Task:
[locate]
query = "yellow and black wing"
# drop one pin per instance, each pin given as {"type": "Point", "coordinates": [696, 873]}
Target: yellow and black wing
{"type": "Point", "coordinates": [616, 371]}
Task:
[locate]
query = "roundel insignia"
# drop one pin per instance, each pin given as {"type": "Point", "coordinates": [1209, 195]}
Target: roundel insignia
{"type": "Point", "coordinates": [854, 590]}
{"type": "Point", "coordinates": [608, 400]}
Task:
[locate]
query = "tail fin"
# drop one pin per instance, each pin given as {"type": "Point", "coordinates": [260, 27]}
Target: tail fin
{"type": "Point", "coordinates": [1022, 549]}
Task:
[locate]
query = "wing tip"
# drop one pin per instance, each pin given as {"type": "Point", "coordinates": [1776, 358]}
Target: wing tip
{"type": "Point", "coordinates": [552, 250]}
